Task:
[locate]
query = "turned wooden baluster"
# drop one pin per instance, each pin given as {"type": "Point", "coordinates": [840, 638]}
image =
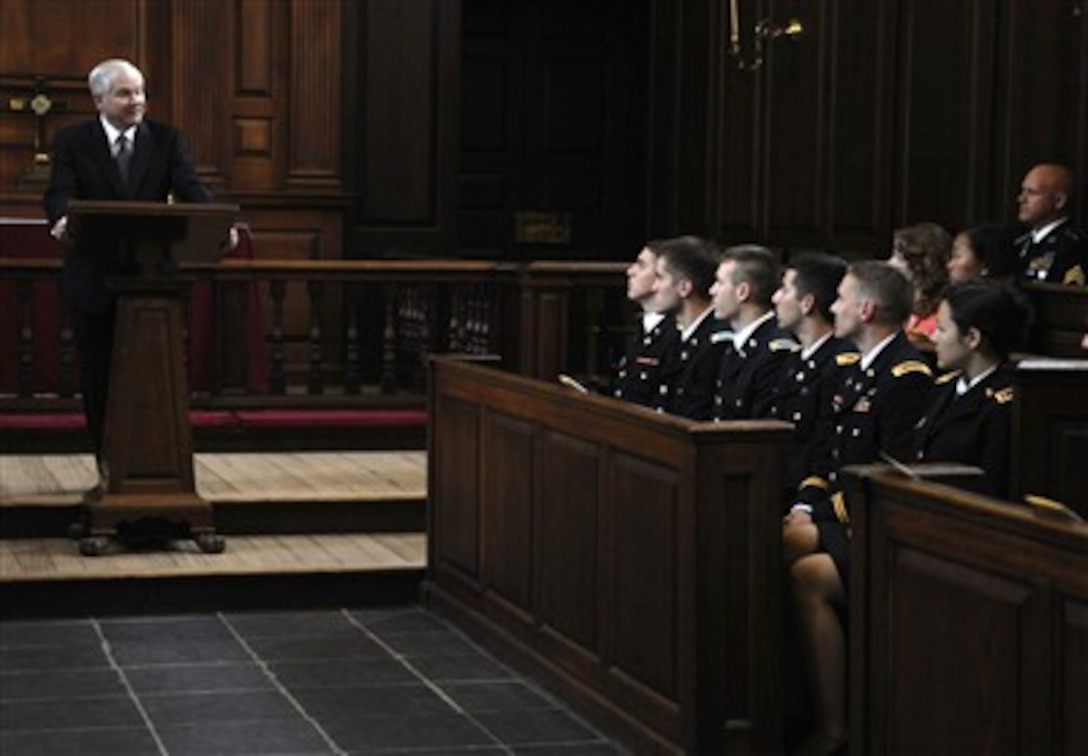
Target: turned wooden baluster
{"type": "Point", "coordinates": [25, 294]}
{"type": "Point", "coordinates": [277, 291]}
{"type": "Point", "coordinates": [67, 377]}
{"type": "Point", "coordinates": [316, 381]}
{"type": "Point", "coordinates": [388, 379]}
{"type": "Point", "coordinates": [352, 367]}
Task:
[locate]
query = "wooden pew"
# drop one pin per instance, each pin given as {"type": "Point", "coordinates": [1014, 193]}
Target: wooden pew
{"type": "Point", "coordinates": [631, 559]}
{"type": "Point", "coordinates": [1061, 319]}
{"type": "Point", "coordinates": [968, 623]}
{"type": "Point", "coordinates": [1050, 432]}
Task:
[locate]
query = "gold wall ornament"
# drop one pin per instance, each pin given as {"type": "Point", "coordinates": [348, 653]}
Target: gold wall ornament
{"type": "Point", "coordinates": [765, 29]}
{"type": "Point", "coordinates": [41, 104]}
{"type": "Point", "coordinates": [31, 96]}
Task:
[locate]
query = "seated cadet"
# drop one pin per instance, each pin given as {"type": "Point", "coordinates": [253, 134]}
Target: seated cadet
{"type": "Point", "coordinates": [969, 419]}
{"type": "Point", "coordinates": [878, 402]}
{"type": "Point", "coordinates": [806, 380]}
{"type": "Point", "coordinates": [685, 272]}
{"type": "Point", "coordinates": [636, 374]}
{"type": "Point", "coordinates": [1053, 249]}
{"type": "Point", "coordinates": [747, 278]}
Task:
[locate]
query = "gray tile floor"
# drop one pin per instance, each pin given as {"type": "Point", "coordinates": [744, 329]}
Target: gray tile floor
{"type": "Point", "coordinates": [315, 682]}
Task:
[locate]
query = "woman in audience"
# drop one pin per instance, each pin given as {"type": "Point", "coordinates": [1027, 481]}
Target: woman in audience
{"type": "Point", "coordinates": [921, 253]}
{"type": "Point", "coordinates": [969, 418]}
{"type": "Point", "coordinates": [978, 324]}
{"type": "Point", "coordinates": [982, 252]}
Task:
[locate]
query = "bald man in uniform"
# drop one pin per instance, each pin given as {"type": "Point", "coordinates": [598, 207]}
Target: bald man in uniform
{"type": "Point", "coordinates": [1053, 250]}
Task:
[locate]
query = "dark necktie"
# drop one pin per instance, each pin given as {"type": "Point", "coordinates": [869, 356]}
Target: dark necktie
{"type": "Point", "coordinates": [124, 156]}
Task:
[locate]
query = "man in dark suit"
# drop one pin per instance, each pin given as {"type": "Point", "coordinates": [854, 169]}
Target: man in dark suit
{"type": "Point", "coordinates": [1053, 249]}
{"type": "Point", "coordinates": [117, 156]}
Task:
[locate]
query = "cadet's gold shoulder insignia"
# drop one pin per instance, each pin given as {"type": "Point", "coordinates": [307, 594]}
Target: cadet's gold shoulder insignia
{"type": "Point", "coordinates": [784, 345]}
{"type": "Point", "coordinates": [1005, 395]}
{"type": "Point", "coordinates": [1074, 276]}
{"type": "Point", "coordinates": [947, 377]}
{"type": "Point", "coordinates": [911, 366]}
{"type": "Point", "coordinates": [845, 359]}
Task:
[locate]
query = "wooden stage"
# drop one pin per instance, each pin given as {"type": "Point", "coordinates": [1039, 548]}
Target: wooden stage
{"type": "Point", "coordinates": [293, 515]}
{"type": "Point", "coordinates": [60, 479]}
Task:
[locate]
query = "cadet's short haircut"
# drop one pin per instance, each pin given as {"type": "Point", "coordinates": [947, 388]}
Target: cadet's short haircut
{"type": "Point", "coordinates": [756, 266]}
{"type": "Point", "coordinates": [889, 289]}
{"type": "Point", "coordinates": [693, 258]}
{"type": "Point", "coordinates": [818, 274]}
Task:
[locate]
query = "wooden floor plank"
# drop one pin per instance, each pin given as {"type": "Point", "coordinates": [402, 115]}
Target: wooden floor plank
{"type": "Point", "coordinates": [60, 479]}
{"type": "Point", "coordinates": [239, 477]}
{"type": "Point", "coordinates": [45, 559]}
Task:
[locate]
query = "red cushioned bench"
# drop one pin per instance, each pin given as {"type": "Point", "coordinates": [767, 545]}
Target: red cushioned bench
{"type": "Point", "coordinates": [237, 430]}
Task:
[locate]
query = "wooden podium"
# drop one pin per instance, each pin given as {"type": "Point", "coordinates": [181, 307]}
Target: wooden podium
{"type": "Point", "coordinates": [148, 442]}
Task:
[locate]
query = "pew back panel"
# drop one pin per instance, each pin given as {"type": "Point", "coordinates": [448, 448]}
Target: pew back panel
{"type": "Point", "coordinates": [968, 629]}
{"type": "Point", "coordinates": [631, 558]}
{"type": "Point", "coordinates": [1050, 432]}
{"type": "Point", "coordinates": [1061, 319]}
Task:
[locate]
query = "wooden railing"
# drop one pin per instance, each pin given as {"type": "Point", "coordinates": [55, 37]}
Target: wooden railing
{"type": "Point", "coordinates": [263, 331]}
{"type": "Point", "coordinates": [282, 331]}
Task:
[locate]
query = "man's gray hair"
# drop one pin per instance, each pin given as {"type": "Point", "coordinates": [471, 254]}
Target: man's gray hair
{"type": "Point", "coordinates": [100, 79]}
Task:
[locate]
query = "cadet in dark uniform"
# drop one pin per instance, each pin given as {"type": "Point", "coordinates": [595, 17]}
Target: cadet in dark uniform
{"type": "Point", "coordinates": [637, 374]}
{"type": "Point", "coordinates": [746, 279]}
{"type": "Point", "coordinates": [806, 380]}
{"type": "Point", "coordinates": [1052, 250]}
{"type": "Point", "coordinates": [876, 406]}
{"type": "Point", "coordinates": [970, 417]}
{"type": "Point", "coordinates": [685, 272]}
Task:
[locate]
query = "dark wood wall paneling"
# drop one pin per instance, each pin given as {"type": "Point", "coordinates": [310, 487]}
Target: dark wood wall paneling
{"type": "Point", "coordinates": [60, 41]}
{"type": "Point", "coordinates": [681, 118]}
{"type": "Point", "coordinates": [1044, 71]}
{"type": "Point", "coordinates": [403, 97]}
{"type": "Point", "coordinates": [552, 121]}
{"type": "Point", "coordinates": [255, 85]}
{"type": "Point", "coordinates": [883, 114]}
{"type": "Point", "coordinates": [861, 112]}
{"type": "Point", "coordinates": [943, 124]}
{"type": "Point", "coordinates": [423, 127]}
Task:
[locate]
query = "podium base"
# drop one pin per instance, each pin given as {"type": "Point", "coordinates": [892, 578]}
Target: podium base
{"type": "Point", "coordinates": [125, 521]}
